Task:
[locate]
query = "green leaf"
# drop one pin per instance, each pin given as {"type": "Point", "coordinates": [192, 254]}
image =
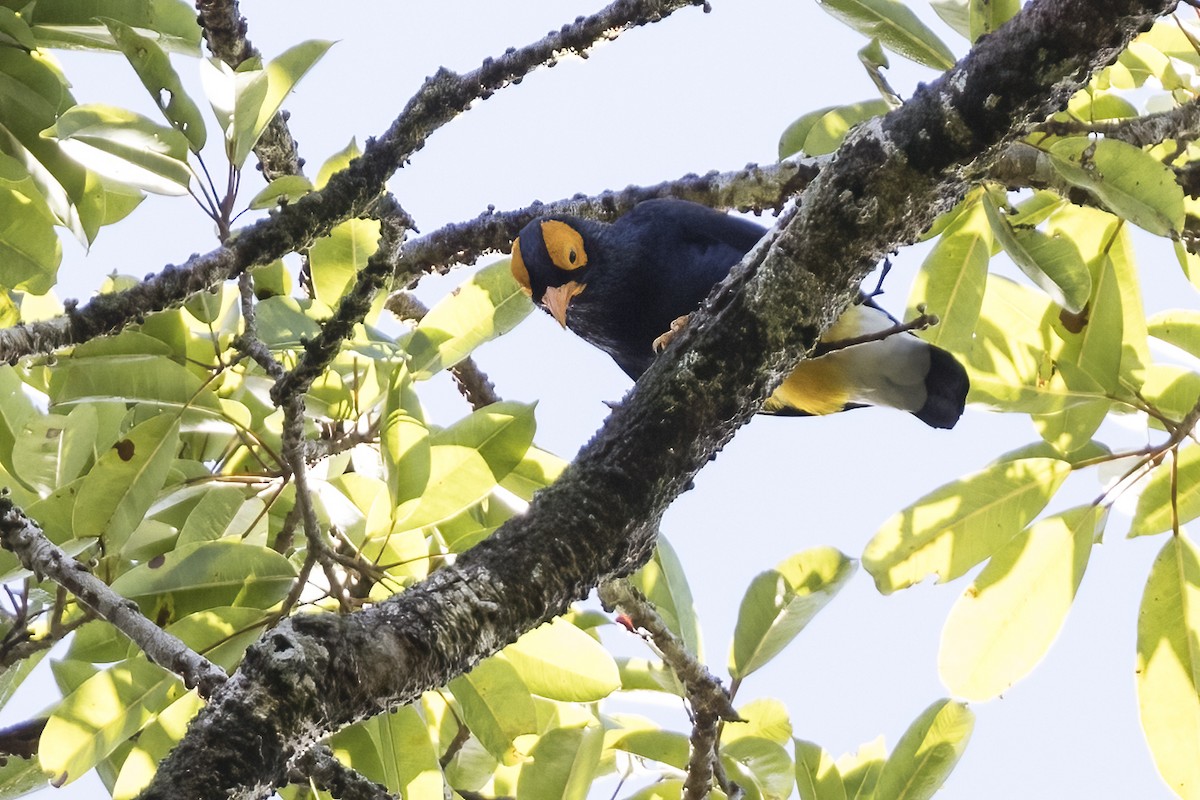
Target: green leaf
{"type": "Point", "coordinates": [1051, 262]}
{"type": "Point", "coordinates": [988, 15]}
{"type": "Point", "coordinates": [395, 751]}
{"type": "Point", "coordinates": [764, 763]}
{"type": "Point", "coordinates": [103, 712]}
{"type": "Point", "coordinates": [154, 742]}
{"type": "Point", "coordinates": [125, 147]}
{"type": "Point", "coordinates": [76, 25]}
{"type": "Point", "coordinates": [1168, 665]}
{"type": "Point", "coordinates": [780, 602]}
{"type": "Point", "coordinates": [895, 26]}
{"type": "Point", "coordinates": [950, 530]}
{"type": "Point", "coordinates": [222, 511]}
{"type": "Point", "coordinates": [1173, 491]}
{"type": "Point", "coordinates": [490, 304]}
{"type": "Point", "coordinates": [118, 491]}
{"type": "Point", "coordinates": [559, 661]}
{"type": "Point", "coordinates": [1132, 183]}
{"type": "Point", "coordinates": [53, 450]}
{"type": "Point", "coordinates": [283, 189]}
{"type": "Point", "coordinates": [1180, 327]}
{"type": "Point", "coordinates": [468, 459]}
{"type": "Point", "coordinates": [537, 470]}
{"type": "Point", "coordinates": [21, 776]}
{"type": "Point", "coordinates": [496, 706]}
{"type": "Point", "coordinates": [927, 753]}
{"type": "Point", "coordinates": [336, 259]}
{"type": "Point", "coordinates": [664, 583]}
{"type": "Point", "coordinates": [283, 322]}
{"type": "Point", "coordinates": [956, 14]}
{"type": "Point", "coordinates": [564, 764]}
{"type": "Point", "coordinates": [952, 278]}
{"type": "Point", "coordinates": [822, 131]}
{"type": "Point", "coordinates": [30, 251]}
{"type": "Point", "coordinates": [765, 718]}
{"type": "Point", "coordinates": [817, 776]}
{"type": "Point", "coordinates": [206, 575]}
{"type": "Point", "coordinates": [860, 770]}
{"type": "Point", "coordinates": [16, 409]}
{"type": "Point", "coordinates": [154, 69]}
{"type": "Point", "coordinates": [1005, 622]}
{"type": "Point", "coordinates": [283, 73]}
{"type": "Point", "coordinates": [654, 744]}
{"type": "Point", "coordinates": [404, 441]}
{"type": "Point", "coordinates": [237, 97]}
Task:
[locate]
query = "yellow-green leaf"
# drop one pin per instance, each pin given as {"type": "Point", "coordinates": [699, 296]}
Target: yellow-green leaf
{"type": "Point", "coordinates": [817, 776]}
{"type": "Point", "coordinates": [780, 602]}
{"type": "Point", "coordinates": [1180, 327]}
{"type": "Point", "coordinates": [952, 279]}
{"type": "Point", "coordinates": [1129, 181]}
{"type": "Point", "coordinates": [822, 131]}
{"type": "Point", "coordinates": [1168, 665]}
{"type": "Point", "coordinates": [950, 530]}
{"type": "Point", "coordinates": [1052, 262]}
{"type": "Point", "coordinates": [1172, 493]}
{"type": "Point", "coordinates": [559, 661]}
{"type": "Point", "coordinates": [564, 764]}
{"type": "Point", "coordinates": [488, 305]}
{"type": "Point", "coordinates": [496, 706]}
{"type": "Point", "coordinates": [927, 753]}
{"type": "Point", "coordinates": [896, 27]}
{"type": "Point", "coordinates": [1006, 620]}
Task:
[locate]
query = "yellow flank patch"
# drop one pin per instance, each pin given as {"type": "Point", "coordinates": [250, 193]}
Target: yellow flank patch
{"type": "Point", "coordinates": [817, 386]}
{"type": "Point", "coordinates": [564, 244]}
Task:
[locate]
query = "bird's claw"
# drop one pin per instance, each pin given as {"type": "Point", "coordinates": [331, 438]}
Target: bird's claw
{"type": "Point", "coordinates": [677, 324]}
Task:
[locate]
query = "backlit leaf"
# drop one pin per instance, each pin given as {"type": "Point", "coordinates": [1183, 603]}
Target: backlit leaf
{"type": "Point", "coordinates": [665, 584]}
{"type": "Point", "coordinates": [821, 132]}
{"type": "Point", "coordinates": [564, 764]}
{"type": "Point", "coordinates": [1173, 492]}
{"type": "Point", "coordinates": [896, 27]}
{"type": "Point", "coordinates": [927, 752]}
{"type": "Point", "coordinates": [496, 706]}
{"type": "Point", "coordinates": [952, 529]}
{"type": "Point", "coordinates": [1006, 620]}
{"type": "Point", "coordinates": [1051, 262]}
{"type": "Point", "coordinates": [780, 602]}
{"type": "Point", "coordinates": [1168, 665]}
{"type": "Point", "coordinates": [559, 661]}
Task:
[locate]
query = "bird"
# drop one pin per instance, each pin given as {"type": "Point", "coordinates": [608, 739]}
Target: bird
{"type": "Point", "coordinates": [622, 285]}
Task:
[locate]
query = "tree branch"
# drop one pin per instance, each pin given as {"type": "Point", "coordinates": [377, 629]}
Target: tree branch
{"type": "Point", "coordinates": [37, 553]}
{"type": "Point", "coordinates": [311, 675]}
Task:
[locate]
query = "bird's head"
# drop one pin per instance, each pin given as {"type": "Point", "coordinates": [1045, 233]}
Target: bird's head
{"type": "Point", "coordinates": [550, 262]}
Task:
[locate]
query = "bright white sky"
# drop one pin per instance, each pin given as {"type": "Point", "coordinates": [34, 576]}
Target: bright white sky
{"type": "Point", "coordinates": [693, 93]}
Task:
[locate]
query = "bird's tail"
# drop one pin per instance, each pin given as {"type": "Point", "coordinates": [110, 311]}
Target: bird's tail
{"type": "Point", "coordinates": [899, 371]}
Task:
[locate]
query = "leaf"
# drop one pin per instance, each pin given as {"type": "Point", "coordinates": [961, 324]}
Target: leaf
{"type": "Point", "coordinates": [468, 459]}
{"type": "Point", "coordinates": [118, 491]}
{"type": "Point", "coordinates": [496, 706]}
{"type": "Point", "coordinates": [103, 712]}
{"type": "Point", "coordinates": [336, 259]}
{"type": "Point", "coordinates": [1132, 183]}
{"type": "Point", "coordinates": [1180, 327]}
{"type": "Point", "coordinates": [125, 147]}
{"type": "Point", "coordinates": [30, 251]}
{"type": "Point", "coordinates": [927, 752]}
{"type": "Point", "coordinates": [564, 764]}
{"type": "Point", "coordinates": [283, 189]}
{"type": "Point", "coordinates": [822, 131]}
{"type": "Point", "coordinates": [780, 602]}
{"type": "Point", "coordinates": [988, 15]}
{"type": "Point", "coordinates": [559, 661]}
{"type": "Point", "coordinates": [952, 278]}
{"type": "Point", "coordinates": [75, 24]}
{"type": "Point", "coordinates": [654, 744]}
{"type": "Point", "coordinates": [1168, 665]}
{"type": "Point", "coordinates": [154, 742]}
{"type": "Point", "coordinates": [154, 69]}
{"type": "Point", "coordinates": [15, 410]}
{"type": "Point", "coordinates": [236, 97]}
{"type": "Point", "coordinates": [664, 583]}
{"type": "Point", "coordinates": [817, 776]}
{"type": "Point", "coordinates": [537, 470]}
{"type": "Point", "coordinates": [951, 529]}
{"type": "Point", "coordinates": [490, 304]}
{"type": "Point", "coordinates": [1005, 622]}
{"type": "Point", "coordinates": [765, 763]}
{"type": "Point", "coordinates": [765, 718]}
{"type": "Point", "coordinates": [895, 26]}
{"type": "Point", "coordinates": [53, 449]}
{"type": "Point", "coordinates": [283, 73]}
{"type": "Point", "coordinates": [1173, 489]}
{"type": "Point", "coordinates": [206, 575]}
{"type": "Point", "coordinates": [1051, 262]}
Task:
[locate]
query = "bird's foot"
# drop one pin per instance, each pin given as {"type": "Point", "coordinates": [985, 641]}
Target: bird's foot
{"type": "Point", "coordinates": [677, 324]}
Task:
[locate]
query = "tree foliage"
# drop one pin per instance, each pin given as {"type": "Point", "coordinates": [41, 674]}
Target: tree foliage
{"type": "Point", "coordinates": [236, 451]}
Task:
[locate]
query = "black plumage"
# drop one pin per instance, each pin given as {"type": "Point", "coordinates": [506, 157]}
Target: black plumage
{"type": "Point", "coordinates": [621, 285]}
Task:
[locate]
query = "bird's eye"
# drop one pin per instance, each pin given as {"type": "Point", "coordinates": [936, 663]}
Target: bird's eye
{"type": "Point", "coordinates": [564, 245]}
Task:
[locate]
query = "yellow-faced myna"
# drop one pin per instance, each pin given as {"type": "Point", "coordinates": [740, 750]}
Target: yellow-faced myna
{"type": "Point", "coordinates": [621, 285]}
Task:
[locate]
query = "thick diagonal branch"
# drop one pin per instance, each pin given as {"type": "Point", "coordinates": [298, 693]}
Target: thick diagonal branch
{"type": "Point", "coordinates": [318, 672]}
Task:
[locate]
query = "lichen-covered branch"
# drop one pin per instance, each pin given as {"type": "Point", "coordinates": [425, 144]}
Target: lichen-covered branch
{"type": "Point", "coordinates": [319, 672]}
{"type": "Point", "coordinates": [22, 536]}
